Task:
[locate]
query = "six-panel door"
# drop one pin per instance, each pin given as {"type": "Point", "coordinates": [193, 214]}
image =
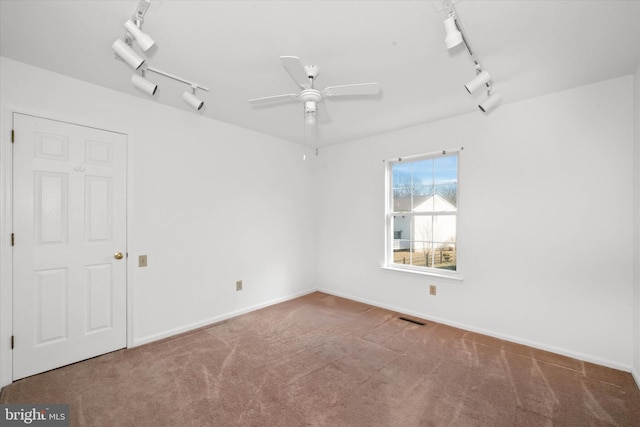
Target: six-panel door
{"type": "Point", "coordinates": [69, 290]}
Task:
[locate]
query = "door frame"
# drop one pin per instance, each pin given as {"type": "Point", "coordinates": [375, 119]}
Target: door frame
{"type": "Point", "coordinates": [6, 226]}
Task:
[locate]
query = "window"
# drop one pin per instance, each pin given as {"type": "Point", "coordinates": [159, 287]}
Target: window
{"type": "Point", "coordinates": [422, 213]}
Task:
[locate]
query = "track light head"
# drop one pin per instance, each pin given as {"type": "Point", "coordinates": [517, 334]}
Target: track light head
{"type": "Point", "coordinates": [142, 39]}
{"type": "Point", "coordinates": [127, 54]}
{"type": "Point", "coordinates": [144, 85]}
{"type": "Point", "coordinates": [193, 101]}
{"type": "Point", "coordinates": [490, 102]}
{"type": "Point", "coordinates": [482, 78]}
{"type": "Point", "coordinates": [453, 35]}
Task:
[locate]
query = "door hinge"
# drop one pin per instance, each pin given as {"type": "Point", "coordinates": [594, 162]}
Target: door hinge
{"type": "Point", "coordinates": [13, 239]}
{"type": "Point", "coordinates": [12, 342]}
{"type": "Point", "coordinates": [13, 135]}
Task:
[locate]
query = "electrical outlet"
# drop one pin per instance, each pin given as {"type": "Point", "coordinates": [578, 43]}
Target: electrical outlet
{"type": "Point", "coordinates": [142, 261]}
{"type": "Point", "coordinates": [432, 289]}
{"type": "Point", "coordinates": [238, 285]}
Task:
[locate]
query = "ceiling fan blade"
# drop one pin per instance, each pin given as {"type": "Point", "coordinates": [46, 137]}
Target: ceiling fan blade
{"type": "Point", "coordinates": [273, 99]}
{"type": "Point", "coordinates": [296, 70]}
{"type": "Point", "coordinates": [355, 89]}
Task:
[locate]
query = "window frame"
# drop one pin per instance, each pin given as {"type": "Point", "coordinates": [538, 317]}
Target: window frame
{"type": "Point", "coordinates": [390, 213]}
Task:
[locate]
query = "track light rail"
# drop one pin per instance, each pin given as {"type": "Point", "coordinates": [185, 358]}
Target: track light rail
{"type": "Point", "coordinates": [180, 79]}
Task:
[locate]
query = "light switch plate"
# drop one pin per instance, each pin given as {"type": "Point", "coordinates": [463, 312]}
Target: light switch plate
{"type": "Point", "coordinates": [142, 261]}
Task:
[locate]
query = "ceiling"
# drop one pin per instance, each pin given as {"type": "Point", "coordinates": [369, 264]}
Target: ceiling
{"type": "Point", "coordinates": [531, 48]}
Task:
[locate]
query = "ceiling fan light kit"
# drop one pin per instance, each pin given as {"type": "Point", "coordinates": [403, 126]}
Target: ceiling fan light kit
{"type": "Point", "coordinates": [124, 50]}
{"type": "Point", "coordinates": [310, 112]}
{"type": "Point", "coordinates": [454, 35]}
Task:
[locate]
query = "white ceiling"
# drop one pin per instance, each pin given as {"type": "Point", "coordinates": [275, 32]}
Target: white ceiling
{"type": "Point", "coordinates": [530, 48]}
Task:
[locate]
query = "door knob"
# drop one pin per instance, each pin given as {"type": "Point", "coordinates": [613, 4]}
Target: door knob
{"type": "Point", "coordinates": [118, 255]}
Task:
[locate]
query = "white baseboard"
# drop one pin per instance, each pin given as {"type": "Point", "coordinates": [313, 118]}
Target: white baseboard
{"type": "Point", "coordinates": [216, 319]}
{"type": "Point", "coordinates": [471, 328]}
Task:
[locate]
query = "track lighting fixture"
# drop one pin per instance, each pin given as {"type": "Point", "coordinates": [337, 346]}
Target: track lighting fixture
{"type": "Point", "coordinates": [123, 49]}
{"type": "Point", "coordinates": [481, 79]}
{"type": "Point", "coordinates": [490, 102]}
{"type": "Point", "coordinates": [127, 54]}
{"type": "Point", "coordinates": [142, 39]}
{"type": "Point", "coordinates": [453, 35]}
{"type": "Point", "coordinates": [191, 99]}
{"type": "Point", "coordinates": [143, 84]}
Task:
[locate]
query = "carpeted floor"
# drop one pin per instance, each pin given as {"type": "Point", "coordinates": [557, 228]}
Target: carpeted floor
{"type": "Point", "coordinates": [321, 360]}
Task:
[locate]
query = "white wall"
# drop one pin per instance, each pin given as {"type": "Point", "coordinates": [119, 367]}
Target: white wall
{"type": "Point", "coordinates": [211, 204]}
{"type": "Point", "coordinates": [544, 228]}
{"type": "Point", "coordinates": [636, 216]}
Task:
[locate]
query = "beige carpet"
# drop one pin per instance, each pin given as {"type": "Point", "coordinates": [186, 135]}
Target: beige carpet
{"type": "Point", "coordinates": [320, 360]}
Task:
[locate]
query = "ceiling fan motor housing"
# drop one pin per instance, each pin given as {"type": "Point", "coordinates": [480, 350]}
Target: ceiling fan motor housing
{"type": "Point", "coordinates": [310, 95]}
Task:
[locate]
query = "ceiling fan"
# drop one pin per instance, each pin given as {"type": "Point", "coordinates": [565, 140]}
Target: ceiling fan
{"type": "Point", "coordinates": [304, 76]}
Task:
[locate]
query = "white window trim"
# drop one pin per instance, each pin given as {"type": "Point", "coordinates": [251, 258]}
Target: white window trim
{"type": "Point", "coordinates": [444, 274]}
{"type": "Point", "coordinates": [388, 241]}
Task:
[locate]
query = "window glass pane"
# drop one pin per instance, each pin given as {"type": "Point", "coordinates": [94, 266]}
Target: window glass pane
{"type": "Point", "coordinates": [412, 184]}
{"type": "Point", "coordinates": [446, 199]}
{"type": "Point", "coordinates": [401, 233]}
{"type": "Point", "coordinates": [402, 181]}
{"type": "Point", "coordinates": [402, 256]}
{"type": "Point", "coordinates": [422, 228]}
{"type": "Point", "coordinates": [402, 203]}
{"type": "Point", "coordinates": [422, 204]}
{"type": "Point", "coordinates": [444, 236]}
{"type": "Point", "coordinates": [444, 229]}
{"type": "Point", "coordinates": [420, 253]}
{"type": "Point", "coordinates": [422, 174]}
{"type": "Point", "coordinates": [445, 170]}
{"type": "Point", "coordinates": [444, 256]}
{"type": "Point", "coordinates": [402, 252]}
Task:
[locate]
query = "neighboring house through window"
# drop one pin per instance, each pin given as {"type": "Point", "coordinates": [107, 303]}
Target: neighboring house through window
{"type": "Point", "coordinates": [422, 213]}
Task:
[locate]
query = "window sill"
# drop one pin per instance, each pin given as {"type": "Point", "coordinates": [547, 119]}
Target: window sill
{"type": "Point", "coordinates": [443, 275]}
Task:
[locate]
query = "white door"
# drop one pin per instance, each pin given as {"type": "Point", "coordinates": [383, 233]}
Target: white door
{"type": "Point", "coordinates": [69, 225]}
